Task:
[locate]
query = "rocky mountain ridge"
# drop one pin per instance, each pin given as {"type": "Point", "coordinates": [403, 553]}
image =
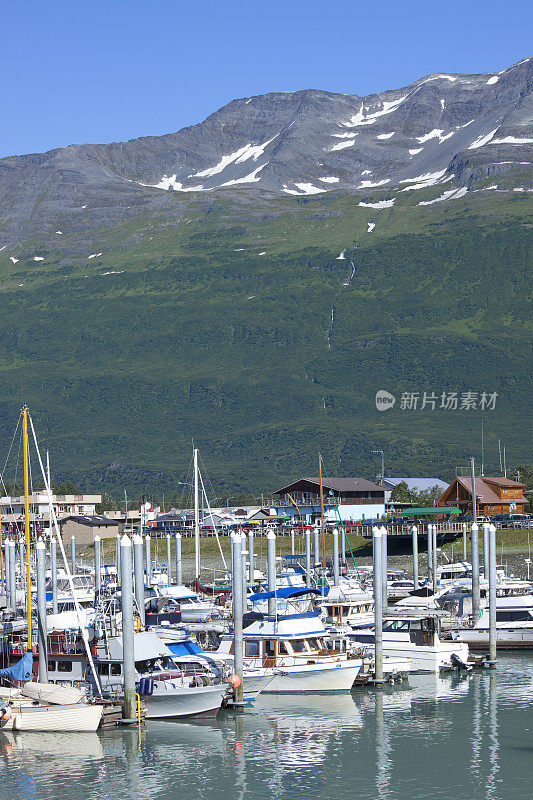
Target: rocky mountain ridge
{"type": "Point", "coordinates": [443, 129]}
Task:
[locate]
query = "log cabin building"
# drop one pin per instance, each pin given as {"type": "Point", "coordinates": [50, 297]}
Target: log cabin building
{"type": "Point", "coordinates": [494, 496]}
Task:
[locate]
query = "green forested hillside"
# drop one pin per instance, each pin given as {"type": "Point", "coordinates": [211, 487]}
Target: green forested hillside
{"type": "Point", "coordinates": [214, 327]}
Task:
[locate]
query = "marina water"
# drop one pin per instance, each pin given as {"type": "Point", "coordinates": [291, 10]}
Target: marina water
{"type": "Point", "coordinates": [452, 736]}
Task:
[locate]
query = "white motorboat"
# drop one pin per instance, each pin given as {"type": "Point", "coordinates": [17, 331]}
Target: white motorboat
{"type": "Point", "coordinates": [348, 605]}
{"type": "Point", "coordinates": [295, 647]}
{"type": "Point", "coordinates": [514, 625]}
{"type": "Point", "coordinates": [416, 637]}
{"type": "Point", "coordinates": [167, 688]}
{"type": "Point", "coordinates": [185, 651]}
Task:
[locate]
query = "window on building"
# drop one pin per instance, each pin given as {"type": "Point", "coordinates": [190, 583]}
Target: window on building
{"type": "Point", "coordinates": [116, 668]}
{"type": "Point", "coordinates": [64, 666]}
{"type": "Point", "coordinates": [51, 666]}
{"type": "Point", "coordinates": [103, 669]}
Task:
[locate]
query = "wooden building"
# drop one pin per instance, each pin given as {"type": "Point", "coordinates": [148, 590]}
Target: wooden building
{"type": "Point", "coordinates": [493, 496]}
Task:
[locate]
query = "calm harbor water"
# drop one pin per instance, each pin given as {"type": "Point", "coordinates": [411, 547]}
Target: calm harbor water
{"type": "Point", "coordinates": [468, 737]}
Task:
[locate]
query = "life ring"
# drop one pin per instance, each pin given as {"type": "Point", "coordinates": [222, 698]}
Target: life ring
{"type": "Point", "coordinates": [5, 713]}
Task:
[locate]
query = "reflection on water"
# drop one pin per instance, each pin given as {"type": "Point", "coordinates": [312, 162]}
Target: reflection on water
{"type": "Point", "coordinates": [467, 736]}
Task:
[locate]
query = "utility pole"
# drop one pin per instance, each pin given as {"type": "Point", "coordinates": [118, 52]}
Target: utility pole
{"type": "Point", "coordinates": [380, 452]}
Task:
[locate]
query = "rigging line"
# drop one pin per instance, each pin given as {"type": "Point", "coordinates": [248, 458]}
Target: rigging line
{"type": "Point", "coordinates": [59, 538]}
{"type": "Point", "coordinates": [11, 445]}
{"type": "Point", "coordinates": [214, 526]}
{"type": "Point", "coordinates": [344, 530]}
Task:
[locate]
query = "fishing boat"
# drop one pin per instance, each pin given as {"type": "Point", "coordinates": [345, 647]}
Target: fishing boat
{"type": "Point", "coordinates": [185, 651]}
{"type": "Point", "coordinates": [295, 647]}
{"type": "Point", "coordinates": [514, 625]}
{"type": "Point", "coordinates": [416, 637]}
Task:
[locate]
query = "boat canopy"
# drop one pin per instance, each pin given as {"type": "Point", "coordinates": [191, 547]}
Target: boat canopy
{"type": "Point", "coordinates": [408, 512]}
{"type": "Point", "coordinates": [284, 593]}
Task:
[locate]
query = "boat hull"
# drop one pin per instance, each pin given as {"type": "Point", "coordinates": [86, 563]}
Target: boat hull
{"type": "Point", "coordinates": [506, 638]}
{"type": "Point", "coordinates": [76, 717]}
{"type": "Point", "coordinates": [312, 678]}
{"type": "Point", "coordinates": [198, 701]}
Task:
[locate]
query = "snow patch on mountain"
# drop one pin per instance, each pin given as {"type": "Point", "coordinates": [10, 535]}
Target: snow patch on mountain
{"type": "Point", "coordinates": [359, 118]}
{"type": "Point", "coordinates": [305, 188]}
{"type": "Point", "coordinates": [436, 133]}
{"type": "Point", "coordinates": [415, 150]}
{"type": "Point", "coordinates": [493, 80]}
{"type": "Point", "coordinates": [481, 140]}
{"type": "Point", "coordinates": [451, 194]}
{"type": "Point", "coordinates": [373, 184]}
{"type": "Point", "coordinates": [238, 157]}
{"type": "Point", "coordinates": [340, 146]}
{"type": "Point", "coordinates": [512, 140]}
{"type": "Point", "coordinates": [329, 179]}
{"type": "Point", "coordinates": [251, 178]}
{"type": "Point", "coordinates": [379, 204]}
{"type": "Point", "coordinates": [386, 135]}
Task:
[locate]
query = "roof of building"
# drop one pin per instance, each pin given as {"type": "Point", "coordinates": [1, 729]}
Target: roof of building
{"type": "Point", "coordinates": [484, 493]}
{"type": "Point", "coordinates": [337, 485]}
{"type": "Point", "coordinates": [504, 482]}
{"type": "Point", "coordinates": [420, 484]}
{"type": "Point", "coordinates": [95, 521]}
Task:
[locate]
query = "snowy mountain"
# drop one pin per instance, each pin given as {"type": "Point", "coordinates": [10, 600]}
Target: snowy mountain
{"type": "Point", "coordinates": [454, 130]}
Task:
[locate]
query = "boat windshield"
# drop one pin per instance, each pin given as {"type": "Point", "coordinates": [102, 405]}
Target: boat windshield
{"type": "Point", "coordinates": [155, 664]}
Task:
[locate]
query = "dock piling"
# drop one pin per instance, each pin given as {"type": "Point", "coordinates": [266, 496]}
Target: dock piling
{"type": "Point", "coordinates": [384, 565]}
{"type": "Point", "coordinates": [169, 562]}
{"type": "Point", "coordinates": [251, 559]}
{"type": "Point", "coordinates": [474, 529]}
{"type": "Point", "coordinates": [486, 549]}
{"type": "Point", "coordinates": [40, 559]}
{"type": "Point", "coordinates": [73, 554]}
{"type": "Point", "coordinates": [236, 579]}
{"type": "Point", "coordinates": [336, 570]}
{"type": "Point", "coordinates": [308, 558]}
{"type": "Point", "coordinates": [138, 571]}
{"type": "Point", "coordinates": [178, 559]}
{"type": "Point", "coordinates": [492, 595]}
{"type": "Point", "coordinates": [464, 541]}
{"type": "Point", "coordinates": [128, 655]}
{"type": "Point", "coordinates": [148, 551]}
{"type": "Point", "coordinates": [97, 567]}
{"type": "Point", "coordinates": [53, 571]}
{"type": "Point", "coordinates": [414, 531]}
{"type": "Point", "coordinates": [377, 536]}
{"type": "Point", "coordinates": [271, 570]}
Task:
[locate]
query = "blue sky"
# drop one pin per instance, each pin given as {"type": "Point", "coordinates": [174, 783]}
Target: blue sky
{"type": "Point", "coordinates": [92, 71]}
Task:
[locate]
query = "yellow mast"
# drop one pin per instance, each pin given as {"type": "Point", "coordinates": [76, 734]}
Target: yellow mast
{"type": "Point", "coordinates": [27, 518]}
{"type": "Point", "coordinates": [322, 511]}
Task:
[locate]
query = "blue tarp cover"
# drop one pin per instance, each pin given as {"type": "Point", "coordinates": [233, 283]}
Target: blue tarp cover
{"type": "Point", "coordinates": [187, 648]}
{"type": "Point", "coordinates": [284, 593]}
{"type": "Point", "coordinates": [21, 671]}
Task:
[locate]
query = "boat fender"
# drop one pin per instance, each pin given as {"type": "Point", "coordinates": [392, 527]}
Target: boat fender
{"type": "Point", "coordinates": [5, 713]}
{"type": "Point", "coordinates": [234, 680]}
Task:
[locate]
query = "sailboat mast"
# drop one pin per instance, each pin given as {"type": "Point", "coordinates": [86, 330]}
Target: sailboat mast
{"type": "Point", "coordinates": [27, 518]}
{"type": "Point", "coordinates": [196, 518]}
{"type": "Point", "coordinates": [322, 511]}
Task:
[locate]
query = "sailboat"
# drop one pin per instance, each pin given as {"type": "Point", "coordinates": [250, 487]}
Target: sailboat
{"type": "Point", "coordinates": [33, 706]}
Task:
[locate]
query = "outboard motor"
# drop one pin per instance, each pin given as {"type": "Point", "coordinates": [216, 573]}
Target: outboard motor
{"type": "Point", "coordinates": [458, 663]}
